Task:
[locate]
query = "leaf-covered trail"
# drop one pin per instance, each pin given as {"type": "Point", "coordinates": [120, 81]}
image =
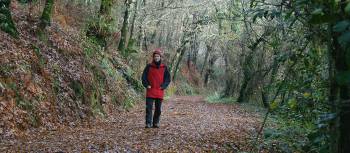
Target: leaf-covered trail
{"type": "Point", "coordinates": [188, 124]}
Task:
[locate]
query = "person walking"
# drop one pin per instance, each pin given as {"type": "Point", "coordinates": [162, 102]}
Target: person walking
{"type": "Point", "coordinates": [155, 78]}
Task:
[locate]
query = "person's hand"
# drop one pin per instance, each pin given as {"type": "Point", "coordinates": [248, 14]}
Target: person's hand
{"type": "Point", "coordinates": [149, 87]}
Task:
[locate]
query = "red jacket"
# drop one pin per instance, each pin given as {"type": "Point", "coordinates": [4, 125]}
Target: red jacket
{"type": "Point", "coordinates": [158, 77]}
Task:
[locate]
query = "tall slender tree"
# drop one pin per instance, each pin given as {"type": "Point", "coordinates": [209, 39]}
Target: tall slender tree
{"type": "Point", "coordinates": [124, 30]}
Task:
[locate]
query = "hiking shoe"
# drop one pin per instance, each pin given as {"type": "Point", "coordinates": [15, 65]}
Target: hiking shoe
{"type": "Point", "coordinates": [148, 126]}
{"type": "Point", "coordinates": [155, 125]}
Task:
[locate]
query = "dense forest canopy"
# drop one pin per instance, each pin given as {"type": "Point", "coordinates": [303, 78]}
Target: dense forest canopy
{"type": "Point", "coordinates": [289, 57]}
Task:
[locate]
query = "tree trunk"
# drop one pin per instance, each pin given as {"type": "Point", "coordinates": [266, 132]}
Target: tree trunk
{"type": "Point", "coordinates": [178, 56]}
{"type": "Point", "coordinates": [242, 91]}
{"type": "Point", "coordinates": [145, 40]}
{"type": "Point", "coordinates": [169, 36]}
{"type": "Point", "coordinates": [188, 62]}
{"type": "Point", "coordinates": [182, 52]}
{"type": "Point", "coordinates": [265, 90]}
{"type": "Point", "coordinates": [248, 65]}
{"type": "Point", "coordinates": [228, 80]}
{"type": "Point", "coordinates": [154, 34]}
{"type": "Point", "coordinates": [193, 51]}
{"type": "Point", "coordinates": [47, 13]}
{"type": "Point", "coordinates": [194, 43]}
{"type": "Point", "coordinates": [210, 70]}
{"type": "Point", "coordinates": [133, 21]}
{"type": "Point", "coordinates": [124, 30]}
{"type": "Point", "coordinates": [342, 94]}
{"type": "Point", "coordinates": [172, 63]}
{"type": "Point", "coordinates": [247, 75]}
{"type": "Point", "coordinates": [160, 37]}
{"type": "Point", "coordinates": [340, 86]}
{"type": "Point", "coordinates": [332, 95]}
{"type": "Point", "coordinates": [206, 58]}
{"type": "Point", "coordinates": [141, 34]}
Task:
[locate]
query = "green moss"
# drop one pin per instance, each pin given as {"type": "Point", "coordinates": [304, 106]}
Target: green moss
{"type": "Point", "coordinates": [128, 103]}
{"type": "Point", "coordinates": [77, 86]}
{"type": "Point", "coordinates": [96, 39]}
{"type": "Point", "coordinates": [186, 89]}
{"type": "Point", "coordinates": [108, 67]}
{"type": "Point", "coordinates": [6, 23]}
{"type": "Point", "coordinates": [89, 52]}
{"type": "Point", "coordinates": [37, 52]}
{"type": "Point", "coordinates": [103, 26]}
{"type": "Point", "coordinates": [99, 76]}
{"type": "Point", "coordinates": [55, 85]}
{"type": "Point", "coordinates": [5, 70]}
{"type": "Point", "coordinates": [106, 6]}
{"type": "Point", "coordinates": [217, 98]}
{"type": "Point", "coordinates": [55, 80]}
{"type": "Point", "coordinates": [131, 49]}
{"type": "Point", "coordinates": [129, 77]}
{"type": "Point", "coordinates": [97, 87]}
{"type": "Point", "coordinates": [96, 106]}
{"type": "Point", "coordinates": [91, 48]}
{"type": "Point", "coordinates": [20, 102]}
{"type": "Point", "coordinates": [29, 106]}
{"type": "Point", "coordinates": [46, 16]}
{"type": "Point", "coordinates": [114, 100]}
{"type": "Point", "coordinates": [42, 36]}
{"type": "Point", "coordinates": [34, 119]}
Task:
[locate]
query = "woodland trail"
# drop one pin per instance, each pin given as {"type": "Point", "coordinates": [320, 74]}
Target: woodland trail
{"type": "Point", "coordinates": [188, 124]}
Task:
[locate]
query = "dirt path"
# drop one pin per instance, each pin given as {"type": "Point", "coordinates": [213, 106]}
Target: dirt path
{"type": "Point", "coordinates": [188, 124]}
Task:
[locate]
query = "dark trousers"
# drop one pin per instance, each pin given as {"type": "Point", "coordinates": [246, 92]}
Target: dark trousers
{"type": "Point", "coordinates": [157, 112]}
